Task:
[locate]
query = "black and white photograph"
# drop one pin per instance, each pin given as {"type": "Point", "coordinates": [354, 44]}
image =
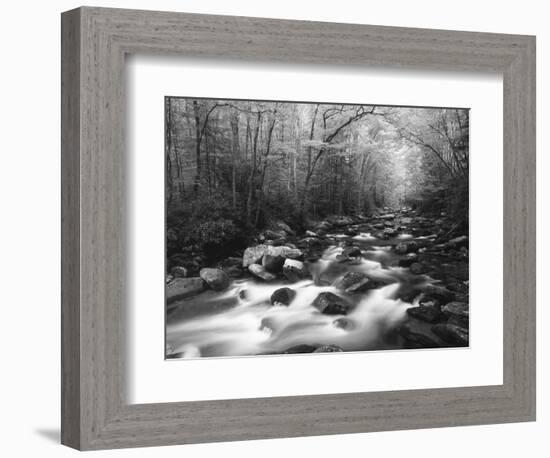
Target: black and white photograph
{"type": "Point", "coordinates": [298, 227]}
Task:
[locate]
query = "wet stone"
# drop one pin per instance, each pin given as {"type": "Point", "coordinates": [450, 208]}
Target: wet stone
{"type": "Point", "coordinates": [344, 323]}
{"type": "Point", "coordinates": [260, 272]}
{"type": "Point", "coordinates": [419, 335]}
{"type": "Point", "coordinates": [331, 304]}
{"type": "Point", "coordinates": [428, 313]}
{"type": "Point", "coordinates": [328, 349]}
{"type": "Point", "coordinates": [408, 260]}
{"type": "Point", "coordinates": [417, 268]}
{"type": "Point", "coordinates": [283, 296]}
{"type": "Point", "coordinates": [295, 270]}
{"type": "Point", "coordinates": [352, 282]}
{"type": "Point", "coordinates": [458, 313]}
{"type": "Point", "coordinates": [452, 334]}
{"type": "Point", "coordinates": [180, 288]}
{"type": "Point", "coordinates": [273, 264]}
{"type": "Point", "coordinates": [304, 348]}
{"type": "Point", "coordinates": [216, 279]}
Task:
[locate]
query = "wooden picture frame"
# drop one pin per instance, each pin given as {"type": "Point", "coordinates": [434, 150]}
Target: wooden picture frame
{"type": "Point", "coordinates": [95, 41]}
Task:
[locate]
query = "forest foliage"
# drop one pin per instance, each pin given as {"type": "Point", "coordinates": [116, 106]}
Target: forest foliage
{"type": "Point", "coordinates": [235, 167]}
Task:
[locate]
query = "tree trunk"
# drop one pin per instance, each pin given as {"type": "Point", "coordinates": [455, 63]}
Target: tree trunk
{"type": "Point", "coordinates": [264, 169]}
{"type": "Point", "coordinates": [234, 154]}
{"type": "Point", "coordinates": [196, 111]}
{"type": "Point", "coordinates": [251, 180]}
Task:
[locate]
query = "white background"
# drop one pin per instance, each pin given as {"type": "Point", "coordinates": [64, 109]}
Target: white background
{"type": "Point", "coordinates": [150, 79]}
{"type": "Point", "coordinates": [29, 189]}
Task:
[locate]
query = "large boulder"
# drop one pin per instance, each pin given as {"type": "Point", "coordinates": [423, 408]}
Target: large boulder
{"type": "Point", "coordinates": [351, 253]}
{"type": "Point", "coordinates": [282, 226]}
{"type": "Point", "coordinates": [331, 304]}
{"type": "Point", "coordinates": [260, 272]}
{"type": "Point", "coordinates": [252, 255]}
{"type": "Point", "coordinates": [353, 282]}
{"type": "Point", "coordinates": [428, 313]}
{"type": "Point", "coordinates": [283, 296]}
{"type": "Point", "coordinates": [419, 335]}
{"type": "Point", "coordinates": [285, 251]}
{"type": "Point", "coordinates": [274, 235]}
{"type": "Point", "coordinates": [179, 272]}
{"type": "Point", "coordinates": [457, 313]}
{"type": "Point", "coordinates": [273, 264]}
{"type": "Point", "coordinates": [180, 288]}
{"type": "Point", "coordinates": [295, 270]}
{"type": "Point", "coordinates": [452, 334]}
{"type": "Point", "coordinates": [439, 294]}
{"type": "Point", "coordinates": [216, 279]}
{"type": "Point", "coordinates": [458, 242]}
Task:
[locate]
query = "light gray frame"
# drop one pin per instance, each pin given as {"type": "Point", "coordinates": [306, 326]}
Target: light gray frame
{"type": "Point", "coordinates": [95, 41]}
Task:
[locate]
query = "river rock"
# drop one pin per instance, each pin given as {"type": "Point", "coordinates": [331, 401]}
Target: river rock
{"type": "Point", "coordinates": [458, 313]}
{"type": "Point", "coordinates": [331, 304]}
{"type": "Point", "coordinates": [408, 260]}
{"type": "Point", "coordinates": [322, 226]}
{"type": "Point", "coordinates": [419, 335]}
{"type": "Point", "coordinates": [282, 226]}
{"type": "Point", "coordinates": [387, 216]}
{"type": "Point", "coordinates": [253, 255]}
{"type": "Point", "coordinates": [285, 251]}
{"type": "Point", "coordinates": [295, 270]}
{"type": "Point", "coordinates": [328, 349]}
{"type": "Point", "coordinates": [349, 253]}
{"type": "Point", "coordinates": [352, 282]}
{"type": "Point", "coordinates": [417, 268]}
{"type": "Point", "coordinates": [273, 264]}
{"type": "Point", "coordinates": [458, 242]}
{"type": "Point", "coordinates": [401, 248]}
{"type": "Point", "coordinates": [390, 232]}
{"type": "Point", "coordinates": [274, 235]}
{"type": "Point", "coordinates": [180, 288]}
{"type": "Point", "coordinates": [344, 323]}
{"type": "Point", "coordinates": [216, 279]}
{"type": "Point", "coordinates": [438, 293]}
{"type": "Point", "coordinates": [352, 230]}
{"type": "Point", "coordinates": [303, 348]}
{"type": "Point", "coordinates": [283, 296]}
{"type": "Point", "coordinates": [452, 334]}
{"type": "Point", "coordinates": [428, 313]}
{"type": "Point", "coordinates": [179, 272]}
{"type": "Point", "coordinates": [309, 241]}
{"type": "Point", "coordinates": [260, 272]}
{"type": "Point", "coordinates": [311, 234]}
{"type": "Point", "coordinates": [340, 221]}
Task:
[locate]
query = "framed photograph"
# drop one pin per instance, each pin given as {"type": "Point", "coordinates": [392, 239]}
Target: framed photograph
{"type": "Point", "coordinates": [277, 228]}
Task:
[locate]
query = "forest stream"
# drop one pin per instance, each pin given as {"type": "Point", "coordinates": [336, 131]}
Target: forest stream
{"type": "Point", "coordinates": [395, 280]}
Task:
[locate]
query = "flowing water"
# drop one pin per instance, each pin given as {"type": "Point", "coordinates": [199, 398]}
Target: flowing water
{"type": "Point", "coordinates": [241, 321]}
